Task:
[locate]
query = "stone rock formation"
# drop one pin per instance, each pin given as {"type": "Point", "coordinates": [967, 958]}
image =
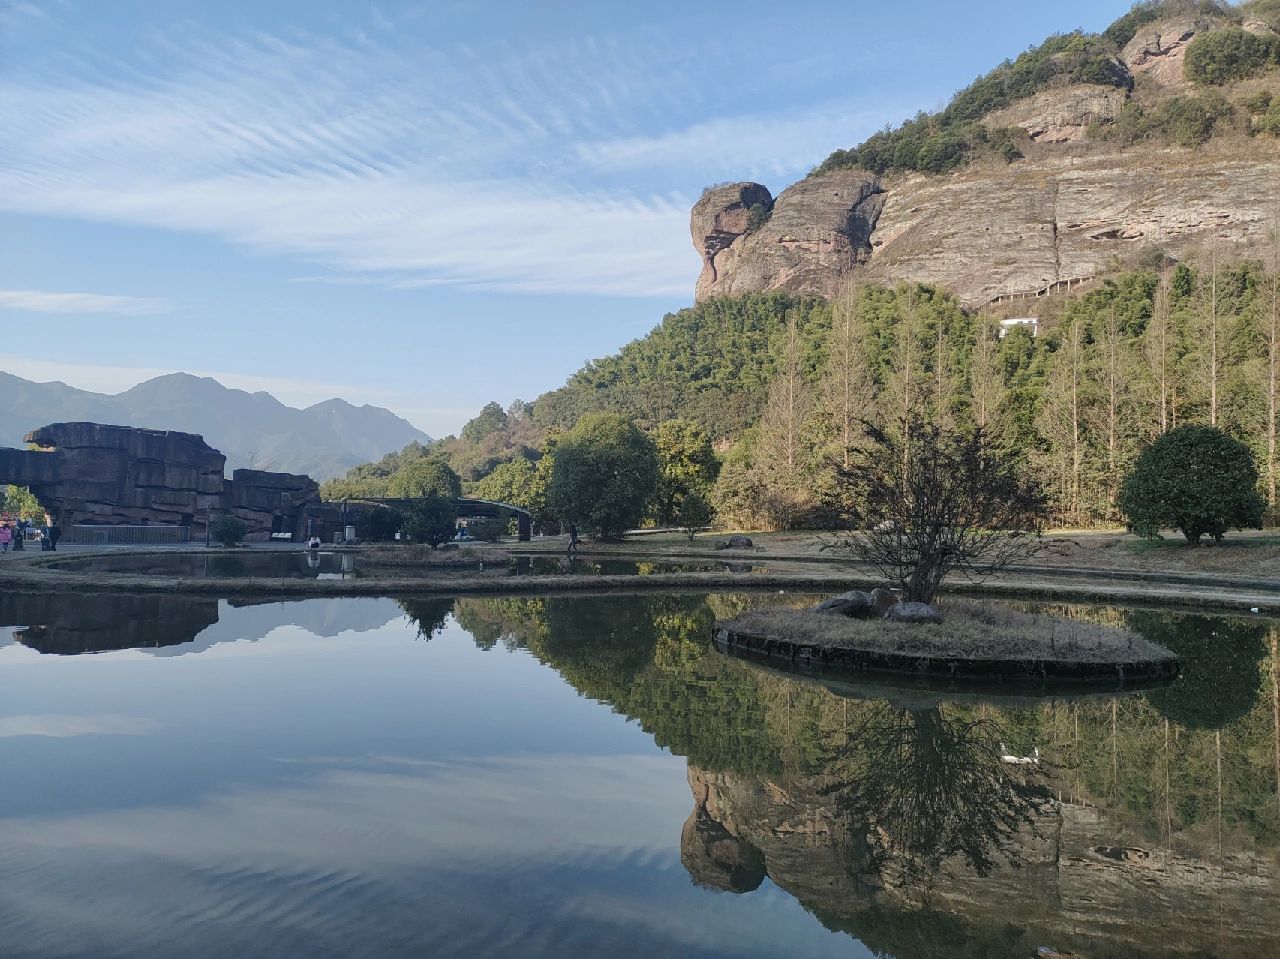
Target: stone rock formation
{"type": "Point", "coordinates": [1071, 210]}
{"type": "Point", "coordinates": [91, 474]}
{"type": "Point", "coordinates": [1035, 227]}
{"type": "Point", "coordinates": [819, 229]}
{"type": "Point", "coordinates": [1158, 49]}
{"type": "Point", "coordinates": [1061, 115]}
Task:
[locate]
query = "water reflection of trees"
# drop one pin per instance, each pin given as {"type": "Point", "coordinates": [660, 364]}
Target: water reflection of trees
{"type": "Point", "coordinates": [428, 615]}
{"type": "Point", "coordinates": [849, 804]}
{"type": "Point", "coordinates": [928, 785]}
{"type": "Point", "coordinates": [1162, 762]}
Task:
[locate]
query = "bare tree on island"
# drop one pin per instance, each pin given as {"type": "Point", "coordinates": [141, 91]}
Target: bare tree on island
{"type": "Point", "coordinates": [948, 501]}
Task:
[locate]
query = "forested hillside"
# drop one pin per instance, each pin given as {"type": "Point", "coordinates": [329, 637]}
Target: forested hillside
{"type": "Point", "coordinates": [755, 399]}
{"type": "Point", "coordinates": [781, 386]}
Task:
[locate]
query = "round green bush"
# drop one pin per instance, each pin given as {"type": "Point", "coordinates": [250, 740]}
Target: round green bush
{"type": "Point", "coordinates": [1195, 479]}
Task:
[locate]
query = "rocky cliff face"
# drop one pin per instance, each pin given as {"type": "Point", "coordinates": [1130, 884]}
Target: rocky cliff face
{"type": "Point", "coordinates": [1071, 210]}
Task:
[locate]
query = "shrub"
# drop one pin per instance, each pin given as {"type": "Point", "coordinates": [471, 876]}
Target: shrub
{"type": "Point", "coordinates": [486, 529]}
{"type": "Point", "coordinates": [1195, 479]}
{"type": "Point", "coordinates": [227, 530]}
{"type": "Point", "coordinates": [432, 520]}
{"type": "Point", "coordinates": [758, 215]}
{"type": "Point", "coordinates": [383, 524]}
{"type": "Point", "coordinates": [1229, 54]}
{"type": "Point", "coordinates": [693, 514]}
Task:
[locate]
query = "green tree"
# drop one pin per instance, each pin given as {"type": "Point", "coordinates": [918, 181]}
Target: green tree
{"type": "Point", "coordinates": [20, 500]}
{"type": "Point", "coordinates": [694, 513]}
{"type": "Point", "coordinates": [432, 520]}
{"type": "Point", "coordinates": [383, 523]}
{"type": "Point", "coordinates": [492, 418]}
{"type": "Point", "coordinates": [686, 464]}
{"type": "Point", "coordinates": [605, 474]}
{"type": "Point", "coordinates": [425, 477]}
{"type": "Point", "coordinates": [1195, 479]}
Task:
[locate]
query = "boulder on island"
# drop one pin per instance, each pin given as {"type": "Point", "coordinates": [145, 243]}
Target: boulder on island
{"type": "Point", "coordinates": [883, 600]}
{"type": "Point", "coordinates": [855, 603]}
{"type": "Point", "coordinates": [913, 613]}
{"type": "Point", "coordinates": [735, 542]}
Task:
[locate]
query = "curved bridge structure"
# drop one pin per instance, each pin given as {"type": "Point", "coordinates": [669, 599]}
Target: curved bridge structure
{"type": "Point", "coordinates": [470, 507]}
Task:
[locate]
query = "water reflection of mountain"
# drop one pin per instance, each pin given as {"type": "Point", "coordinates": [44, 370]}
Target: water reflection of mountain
{"type": "Point", "coordinates": [67, 624]}
{"type": "Point", "coordinates": [1150, 827]}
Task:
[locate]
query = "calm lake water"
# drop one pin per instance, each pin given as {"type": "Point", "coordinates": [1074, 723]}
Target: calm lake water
{"type": "Point", "coordinates": [302, 564]}
{"type": "Point", "coordinates": [534, 777]}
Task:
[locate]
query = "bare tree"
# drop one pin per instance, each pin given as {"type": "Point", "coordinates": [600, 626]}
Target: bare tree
{"type": "Point", "coordinates": [1211, 334]}
{"type": "Point", "coordinates": [1113, 372]}
{"type": "Point", "coordinates": [1158, 349]}
{"type": "Point", "coordinates": [846, 391]}
{"type": "Point", "coordinates": [781, 459]}
{"type": "Point", "coordinates": [1063, 419]}
{"type": "Point", "coordinates": [904, 390]}
{"type": "Point", "coordinates": [949, 503]}
{"type": "Point", "coordinates": [986, 382]}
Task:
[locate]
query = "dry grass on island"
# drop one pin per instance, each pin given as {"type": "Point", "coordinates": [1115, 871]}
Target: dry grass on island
{"type": "Point", "coordinates": [417, 556]}
{"type": "Point", "coordinates": [977, 633]}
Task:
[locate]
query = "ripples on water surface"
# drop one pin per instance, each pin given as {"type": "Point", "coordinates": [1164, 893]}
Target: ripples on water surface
{"type": "Point", "coordinates": [584, 776]}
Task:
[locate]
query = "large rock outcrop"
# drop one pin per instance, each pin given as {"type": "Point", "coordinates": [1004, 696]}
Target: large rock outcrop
{"type": "Point", "coordinates": [1074, 208]}
{"type": "Point", "coordinates": [1158, 49]}
{"type": "Point", "coordinates": [95, 475]}
{"type": "Point", "coordinates": [1061, 115]}
{"type": "Point", "coordinates": [1034, 227]}
{"type": "Point", "coordinates": [815, 233]}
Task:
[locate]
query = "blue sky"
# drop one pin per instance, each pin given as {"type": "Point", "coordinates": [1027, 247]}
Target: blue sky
{"type": "Point", "coordinates": [423, 206]}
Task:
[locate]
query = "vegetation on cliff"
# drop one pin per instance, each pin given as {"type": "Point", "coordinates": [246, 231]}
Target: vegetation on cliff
{"type": "Point", "coordinates": [938, 142]}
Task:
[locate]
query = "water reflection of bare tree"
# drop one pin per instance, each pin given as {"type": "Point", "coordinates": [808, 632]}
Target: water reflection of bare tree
{"type": "Point", "coordinates": [929, 787]}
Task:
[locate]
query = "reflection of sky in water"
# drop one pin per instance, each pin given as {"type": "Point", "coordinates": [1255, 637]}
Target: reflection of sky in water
{"type": "Point", "coordinates": [346, 792]}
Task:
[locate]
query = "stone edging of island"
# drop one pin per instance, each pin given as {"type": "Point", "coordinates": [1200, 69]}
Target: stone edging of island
{"type": "Point", "coordinates": [849, 659]}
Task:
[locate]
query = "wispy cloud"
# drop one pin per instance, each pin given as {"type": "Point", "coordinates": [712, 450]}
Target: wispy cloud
{"type": "Point", "coordinates": [65, 725]}
{"type": "Point", "coordinates": [43, 301]}
{"type": "Point", "coordinates": [377, 153]}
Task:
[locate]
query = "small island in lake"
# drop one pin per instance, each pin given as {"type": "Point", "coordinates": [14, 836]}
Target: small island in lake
{"type": "Point", "coordinates": [977, 641]}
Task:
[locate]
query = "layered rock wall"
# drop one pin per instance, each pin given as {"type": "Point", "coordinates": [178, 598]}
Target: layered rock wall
{"type": "Point", "coordinates": [91, 474]}
{"type": "Point", "coordinates": [1073, 209]}
{"type": "Point", "coordinates": [1032, 228]}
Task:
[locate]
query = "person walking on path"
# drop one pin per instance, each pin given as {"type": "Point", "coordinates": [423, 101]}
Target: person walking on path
{"type": "Point", "coordinates": [55, 534]}
{"type": "Point", "coordinates": [6, 537]}
{"type": "Point", "coordinates": [20, 536]}
{"type": "Point", "coordinates": [573, 537]}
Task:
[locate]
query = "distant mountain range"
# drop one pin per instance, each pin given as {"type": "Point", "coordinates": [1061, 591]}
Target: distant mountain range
{"type": "Point", "coordinates": [253, 429]}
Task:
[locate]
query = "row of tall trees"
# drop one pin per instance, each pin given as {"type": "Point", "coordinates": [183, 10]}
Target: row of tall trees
{"type": "Point", "coordinates": [1141, 354]}
{"type": "Point", "coordinates": [756, 403]}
